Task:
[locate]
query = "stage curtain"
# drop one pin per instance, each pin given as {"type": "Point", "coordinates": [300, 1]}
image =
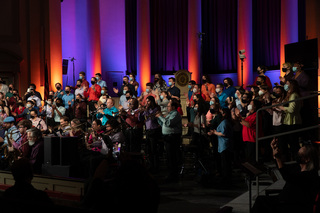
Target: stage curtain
{"type": "Point", "coordinates": [266, 33]}
{"type": "Point", "coordinates": [169, 35]}
{"type": "Point", "coordinates": [219, 43]}
{"type": "Point", "coordinates": [131, 35]}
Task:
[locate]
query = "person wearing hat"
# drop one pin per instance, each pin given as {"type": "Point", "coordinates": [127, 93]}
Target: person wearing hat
{"type": "Point", "coordinates": [11, 133]}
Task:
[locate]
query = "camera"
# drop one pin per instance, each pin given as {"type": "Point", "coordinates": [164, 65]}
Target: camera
{"type": "Point", "coordinates": [241, 54]}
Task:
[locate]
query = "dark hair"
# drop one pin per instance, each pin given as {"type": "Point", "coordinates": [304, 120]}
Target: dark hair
{"type": "Point", "coordinates": [34, 110]}
{"type": "Point", "coordinates": [265, 87]}
{"type": "Point", "coordinates": [65, 118]}
{"type": "Point", "coordinates": [255, 90]}
{"type": "Point", "coordinates": [150, 85]}
{"type": "Point", "coordinates": [264, 68]}
{"type": "Point", "coordinates": [202, 109]}
{"type": "Point", "coordinates": [192, 82]}
{"type": "Point", "coordinates": [174, 103]}
{"type": "Point", "coordinates": [262, 77]}
{"type": "Point", "coordinates": [165, 92]}
{"type": "Point", "coordinates": [59, 99]}
{"type": "Point", "coordinates": [129, 92]}
{"type": "Point", "coordinates": [161, 81]}
{"type": "Point", "coordinates": [79, 95]}
{"type": "Point", "coordinates": [173, 79]}
{"type": "Point", "coordinates": [257, 104]}
{"type": "Point", "coordinates": [227, 113]}
{"type": "Point", "coordinates": [229, 81]}
{"type": "Point", "coordinates": [113, 123]}
{"type": "Point", "coordinates": [221, 85]}
{"type": "Point", "coordinates": [22, 170]}
{"type": "Point", "coordinates": [34, 86]}
{"type": "Point", "coordinates": [282, 91]}
{"type": "Point", "coordinates": [126, 77]}
{"type": "Point", "coordinates": [207, 78]}
{"type": "Point", "coordinates": [25, 123]}
{"type": "Point", "coordinates": [82, 73]}
{"type": "Point", "coordinates": [98, 122]}
{"type": "Point", "coordinates": [135, 103]}
{"type": "Point", "coordinates": [153, 101]}
{"type": "Point", "coordinates": [99, 74]}
{"type": "Point", "coordinates": [241, 90]}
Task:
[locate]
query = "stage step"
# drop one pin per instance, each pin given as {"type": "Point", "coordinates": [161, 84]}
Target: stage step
{"type": "Point", "coordinates": [70, 186]}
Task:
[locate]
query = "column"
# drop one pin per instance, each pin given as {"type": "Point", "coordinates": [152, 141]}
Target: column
{"type": "Point", "coordinates": [93, 42]}
{"type": "Point", "coordinates": [194, 27]}
{"type": "Point", "coordinates": [245, 41]}
{"type": "Point", "coordinates": [143, 44]}
{"type": "Point", "coordinates": [55, 42]}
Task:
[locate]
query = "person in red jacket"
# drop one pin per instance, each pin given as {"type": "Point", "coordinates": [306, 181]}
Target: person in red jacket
{"type": "Point", "coordinates": [93, 94]}
{"type": "Point", "coordinates": [249, 129]}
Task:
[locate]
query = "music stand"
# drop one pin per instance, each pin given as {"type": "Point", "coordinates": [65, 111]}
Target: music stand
{"type": "Point", "coordinates": [252, 172]}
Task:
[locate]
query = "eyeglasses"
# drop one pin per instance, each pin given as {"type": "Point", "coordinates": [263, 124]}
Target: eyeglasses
{"type": "Point", "coordinates": [29, 137]}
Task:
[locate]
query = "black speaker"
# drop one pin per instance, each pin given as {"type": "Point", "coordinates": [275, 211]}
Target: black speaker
{"type": "Point", "coordinates": [60, 150]}
{"type": "Point", "coordinates": [65, 63]}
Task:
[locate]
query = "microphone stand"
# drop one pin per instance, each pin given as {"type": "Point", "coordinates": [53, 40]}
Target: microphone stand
{"type": "Point", "coordinates": [74, 95]}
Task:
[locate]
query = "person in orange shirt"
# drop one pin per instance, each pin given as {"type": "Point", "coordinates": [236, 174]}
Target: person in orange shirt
{"type": "Point", "coordinates": [207, 87]}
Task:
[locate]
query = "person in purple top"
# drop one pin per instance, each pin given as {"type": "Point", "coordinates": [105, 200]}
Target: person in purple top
{"type": "Point", "coordinates": [153, 131]}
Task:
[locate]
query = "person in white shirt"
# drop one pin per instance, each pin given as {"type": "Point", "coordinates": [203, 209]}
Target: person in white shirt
{"type": "Point", "coordinates": [47, 111]}
{"type": "Point", "coordinates": [34, 97]}
{"type": "Point", "coordinates": [79, 89]}
{"type": "Point", "coordinates": [58, 111]}
{"type": "Point", "coordinates": [36, 121]}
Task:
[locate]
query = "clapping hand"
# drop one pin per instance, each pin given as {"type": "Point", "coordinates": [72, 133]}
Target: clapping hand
{"type": "Point", "coordinates": [158, 114]}
{"type": "Point", "coordinates": [275, 148]}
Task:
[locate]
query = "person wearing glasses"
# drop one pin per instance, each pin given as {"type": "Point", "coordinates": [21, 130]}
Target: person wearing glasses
{"type": "Point", "coordinates": [23, 126]}
{"type": "Point", "coordinates": [32, 148]}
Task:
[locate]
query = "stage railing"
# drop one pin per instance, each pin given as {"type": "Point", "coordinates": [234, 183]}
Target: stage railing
{"type": "Point", "coordinates": [317, 93]}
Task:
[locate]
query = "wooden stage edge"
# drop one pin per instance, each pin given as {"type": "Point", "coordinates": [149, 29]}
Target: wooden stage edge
{"type": "Point", "coordinates": [65, 188]}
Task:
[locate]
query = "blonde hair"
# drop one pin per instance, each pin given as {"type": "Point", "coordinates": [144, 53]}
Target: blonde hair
{"type": "Point", "coordinates": [288, 64]}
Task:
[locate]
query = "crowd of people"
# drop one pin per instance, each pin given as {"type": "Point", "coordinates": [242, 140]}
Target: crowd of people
{"type": "Point", "coordinates": [221, 118]}
{"type": "Point", "coordinates": [221, 121]}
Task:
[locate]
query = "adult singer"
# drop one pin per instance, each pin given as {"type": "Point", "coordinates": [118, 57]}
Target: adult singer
{"type": "Point", "coordinates": [172, 130]}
